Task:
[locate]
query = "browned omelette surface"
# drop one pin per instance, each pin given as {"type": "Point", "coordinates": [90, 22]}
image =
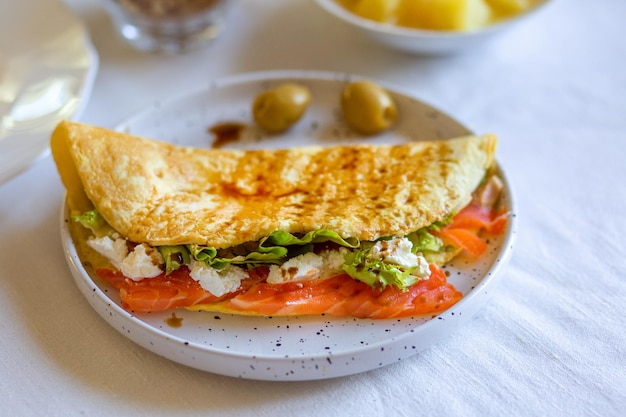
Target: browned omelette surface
{"type": "Point", "coordinates": [163, 194]}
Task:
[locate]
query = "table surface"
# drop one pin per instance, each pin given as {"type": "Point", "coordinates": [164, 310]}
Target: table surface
{"type": "Point", "coordinates": [552, 340]}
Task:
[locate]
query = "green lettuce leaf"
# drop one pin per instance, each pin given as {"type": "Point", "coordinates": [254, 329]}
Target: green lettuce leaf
{"type": "Point", "coordinates": [275, 248]}
{"type": "Point", "coordinates": [424, 241]}
{"type": "Point", "coordinates": [174, 256]}
{"type": "Point", "coordinates": [281, 238]}
{"type": "Point", "coordinates": [279, 246]}
{"type": "Point", "coordinates": [376, 273]}
{"type": "Point", "coordinates": [94, 221]}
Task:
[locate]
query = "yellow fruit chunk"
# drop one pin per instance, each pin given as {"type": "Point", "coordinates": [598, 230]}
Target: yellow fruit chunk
{"type": "Point", "coordinates": [378, 10]}
{"type": "Point", "coordinates": [443, 14]}
{"type": "Point", "coordinates": [509, 7]}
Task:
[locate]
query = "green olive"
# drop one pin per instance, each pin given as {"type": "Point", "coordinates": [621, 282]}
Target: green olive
{"type": "Point", "coordinates": [367, 108]}
{"type": "Point", "coordinates": [276, 110]}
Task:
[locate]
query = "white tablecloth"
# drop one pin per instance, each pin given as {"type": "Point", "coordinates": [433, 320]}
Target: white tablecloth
{"type": "Point", "coordinates": [551, 342]}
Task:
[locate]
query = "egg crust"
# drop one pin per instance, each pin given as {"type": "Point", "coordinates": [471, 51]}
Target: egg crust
{"type": "Point", "coordinates": [162, 194]}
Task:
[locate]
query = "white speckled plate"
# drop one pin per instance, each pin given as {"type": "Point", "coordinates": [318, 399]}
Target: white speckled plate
{"type": "Point", "coordinates": [47, 68]}
{"type": "Point", "coordinates": [297, 348]}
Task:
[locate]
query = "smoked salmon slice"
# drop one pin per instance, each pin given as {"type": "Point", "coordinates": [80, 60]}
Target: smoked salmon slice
{"type": "Point", "coordinates": [340, 295]}
{"type": "Point", "coordinates": [476, 218]}
{"type": "Point", "coordinates": [166, 292]}
{"type": "Point", "coordinates": [469, 224]}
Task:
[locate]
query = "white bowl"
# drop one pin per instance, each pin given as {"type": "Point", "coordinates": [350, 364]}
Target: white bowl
{"type": "Point", "coordinates": [48, 66]}
{"type": "Point", "coordinates": [427, 42]}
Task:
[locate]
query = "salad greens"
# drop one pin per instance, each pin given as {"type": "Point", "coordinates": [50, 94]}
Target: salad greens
{"type": "Point", "coordinates": [94, 221]}
{"type": "Point", "coordinates": [376, 272]}
{"type": "Point", "coordinates": [280, 246]}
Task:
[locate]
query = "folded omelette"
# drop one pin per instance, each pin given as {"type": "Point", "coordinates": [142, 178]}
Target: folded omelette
{"type": "Point", "coordinates": [164, 194]}
{"type": "Point", "coordinates": [225, 209]}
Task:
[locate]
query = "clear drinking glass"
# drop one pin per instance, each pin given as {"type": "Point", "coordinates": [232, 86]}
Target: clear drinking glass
{"type": "Point", "coordinates": [174, 26]}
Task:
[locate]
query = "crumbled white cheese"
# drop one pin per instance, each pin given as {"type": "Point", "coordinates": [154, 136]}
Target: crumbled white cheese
{"type": "Point", "coordinates": [115, 250]}
{"type": "Point", "coordinates": [423, 270]}
{"type": "Point", "coordinates": [397, 251]}
{"type": "Point", "coordinates": [143, 262]}
{"type": "Point", "coordinates": [333, 261]}
{"type": "Point", "coordinates": [300, 268]}
{"type": "Point", "coordinates": [217, 281]}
